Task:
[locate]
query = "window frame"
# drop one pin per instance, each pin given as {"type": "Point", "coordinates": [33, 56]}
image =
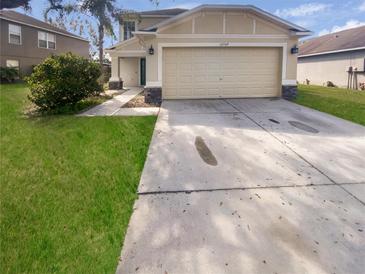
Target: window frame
{"type": "Point", "coordinates": [47, 40]}
{"type": "Point", "coordinates": [11, 33]}
{"type": "Point", "coordinates": [135, 29]}
{"type": "Point", "coordinates": [6, 63]}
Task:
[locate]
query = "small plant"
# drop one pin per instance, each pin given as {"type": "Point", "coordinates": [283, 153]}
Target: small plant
{"type": "Point", "coordinates": [331, 84]}
{"type": "Point", "coordinates": [8, 74]}
{"type": "Point", "coordinates": [63, 80]}
{"type": "Point", "coordinates": [362, 85]}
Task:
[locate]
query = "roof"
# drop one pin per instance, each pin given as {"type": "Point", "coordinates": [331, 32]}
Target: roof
{"type": "Point", "coordinates": [269, 16]}
{"type": "Point", "coordinates": [20, 18]}
{"type": "Point", "coordinates": [346, 40]}
{"type": "Point", "coordinates": [164, 12]}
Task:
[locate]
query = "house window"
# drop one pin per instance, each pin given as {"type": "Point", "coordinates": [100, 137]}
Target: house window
{"type": "Point", "coordinates": [15, 34]}
{"type": "Point", "coordinates": [46, 40]}
{"type": "Point", "coordinates": [12, 64]}
{"type": "Point", "coordinates": [128, 27]}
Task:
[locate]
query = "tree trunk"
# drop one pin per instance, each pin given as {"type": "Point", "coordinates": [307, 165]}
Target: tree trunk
{"type": "Point", "coordinates": [101, 44]}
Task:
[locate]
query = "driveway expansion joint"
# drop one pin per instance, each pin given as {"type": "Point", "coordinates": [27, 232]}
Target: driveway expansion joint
{"type": "Point", "coordinates": [189, 191]}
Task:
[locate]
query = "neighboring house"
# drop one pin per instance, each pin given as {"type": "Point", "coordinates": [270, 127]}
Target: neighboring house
{"type": "Point", "coordinates": [211, 51]}
{"type": "Point", "coordinates": [26, 41]}
{"type": "Point", "coordinates": [328, 57]}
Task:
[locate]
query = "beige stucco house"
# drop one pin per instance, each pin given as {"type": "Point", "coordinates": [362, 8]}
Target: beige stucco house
{"type": "Point", "coordinates": [329, 58]}
{"type": "Point", "coordinates": [211, 51]}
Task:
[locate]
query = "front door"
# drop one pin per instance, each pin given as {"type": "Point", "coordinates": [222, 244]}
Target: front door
{"type": "Point", "coordinates": [143, 71]}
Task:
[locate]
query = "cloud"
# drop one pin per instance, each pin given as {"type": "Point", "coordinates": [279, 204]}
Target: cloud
{"type": "Point", "coordinates": [302, 10]}
{"type": "Point", "coordinates": [306, 23]}
{"type": "Point", "coordinates": [362, 6]}
{"type": "Point", "coordinates": [349, 25]}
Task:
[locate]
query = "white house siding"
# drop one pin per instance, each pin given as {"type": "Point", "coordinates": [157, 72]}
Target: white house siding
{"type": "Point", "coordinates": [129, 71]}
{"type": "Point", "coordinates": [330, 67]}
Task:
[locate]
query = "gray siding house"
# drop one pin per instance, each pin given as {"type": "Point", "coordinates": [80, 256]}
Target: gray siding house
{"type": "Point", "coordinates": [26, 41]}
{"type": "Point", "coordinates": [329, 57]}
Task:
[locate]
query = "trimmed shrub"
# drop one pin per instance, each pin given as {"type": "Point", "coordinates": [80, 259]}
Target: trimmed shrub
{"type": "Point", "coordinates": [63, 80]}
{"type": "Point", "coordinates": [8, 74]}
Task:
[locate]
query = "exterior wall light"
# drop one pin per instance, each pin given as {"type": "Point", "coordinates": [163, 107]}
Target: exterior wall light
{"type": "Point", "coordinates": [294, 50]}
{"type": "Point", "coordinates": [151, 51]}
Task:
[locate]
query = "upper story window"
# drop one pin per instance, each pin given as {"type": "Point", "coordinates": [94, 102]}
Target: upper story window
{"type": "Point", "coordinates": [15, 34]}
{"type": "Point", "coordinates": [128, 27]}
{"type": "Point", "coordinates": [46, 40]}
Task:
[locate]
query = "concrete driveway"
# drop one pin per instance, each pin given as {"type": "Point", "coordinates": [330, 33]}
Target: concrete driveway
{"type": "Point", "coordinates": [249, 186]}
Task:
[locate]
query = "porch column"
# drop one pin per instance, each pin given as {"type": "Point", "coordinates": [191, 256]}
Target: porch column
{"type": "Point", "coordinates": [115, 81]}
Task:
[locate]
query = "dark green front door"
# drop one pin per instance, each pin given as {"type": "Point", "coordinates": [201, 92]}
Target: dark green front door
{"type": "Point", "coordinates": [143, 71]}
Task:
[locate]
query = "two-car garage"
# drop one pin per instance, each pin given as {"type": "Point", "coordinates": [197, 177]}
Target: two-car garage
{"type": "Point", "coordinates": [221, 72]}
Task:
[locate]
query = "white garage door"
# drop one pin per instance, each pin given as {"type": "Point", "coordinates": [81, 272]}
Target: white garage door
{"type": "Point", "coordinates": [221, 72]}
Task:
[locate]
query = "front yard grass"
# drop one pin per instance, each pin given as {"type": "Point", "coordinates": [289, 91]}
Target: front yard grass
{"type": "Point", "coordinates": [67, 187]}
{"type": "Point", "coordinates": [343, 103]}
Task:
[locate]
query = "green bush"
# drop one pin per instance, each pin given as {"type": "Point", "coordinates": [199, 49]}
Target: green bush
{"type": "Point", "coordinates": [63, 81]}
{"type": "Point", "coordinates": [8, 74]}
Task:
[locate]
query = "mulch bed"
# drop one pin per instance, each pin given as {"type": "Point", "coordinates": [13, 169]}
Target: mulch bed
{"type": "Point", "coordinates": [138, 102]}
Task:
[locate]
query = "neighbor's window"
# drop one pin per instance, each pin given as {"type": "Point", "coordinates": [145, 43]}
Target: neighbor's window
{"type": "Point", "coordinates": [15, 34]}
{"type": "Point", "coordinates": [12, 64]}
{"type": "Point", "coordinates": [128, 27]}
{"type": "Point", "coordinates": [46, 40]}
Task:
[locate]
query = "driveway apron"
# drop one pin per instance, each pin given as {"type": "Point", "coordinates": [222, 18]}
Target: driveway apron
{"type": "Point", "coordinates": [249, 186]}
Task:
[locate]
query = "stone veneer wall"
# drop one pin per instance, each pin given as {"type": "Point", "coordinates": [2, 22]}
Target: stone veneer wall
{"type": "Point", "coordinates": [153, 95]}
{"type": "Point", "coordinates": [289, 92]}
{"type": "Point", "coordinates": [115, 84]}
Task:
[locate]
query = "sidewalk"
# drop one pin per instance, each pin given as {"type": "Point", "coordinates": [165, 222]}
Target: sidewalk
{"type": "Point", "coordinates": [112, 106]}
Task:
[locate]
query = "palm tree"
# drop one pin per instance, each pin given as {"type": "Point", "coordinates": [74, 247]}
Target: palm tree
{"type": "Point", "coordinates": [104, 11]}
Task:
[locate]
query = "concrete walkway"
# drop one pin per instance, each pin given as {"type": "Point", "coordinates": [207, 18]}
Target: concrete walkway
{"type": "Point", "coordinates": [249, 186]}
{"type": "Point", "coordinates": [112, 106]}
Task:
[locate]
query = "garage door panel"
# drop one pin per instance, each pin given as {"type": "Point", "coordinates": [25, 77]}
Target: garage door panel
{"type": "Point", "coordinates": [200, 79]}
{"type": "Point", "coordinates": [170, 92]}
{"type": "Point", "coordinates": [214, 92]}
{"type": "Point", "coordinates": [220, 72]}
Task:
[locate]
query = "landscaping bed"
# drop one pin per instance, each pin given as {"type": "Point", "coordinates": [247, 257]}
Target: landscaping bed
{"type": "Point", "coordinates": [68, 185]}
{"type": "Point", "coordinates": [138, 101]}
{"type": "Point", "coordinates": [343, 103]}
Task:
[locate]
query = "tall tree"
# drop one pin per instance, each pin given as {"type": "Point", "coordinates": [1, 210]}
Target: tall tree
{"type": "Point", "coordinates": [104, 11]}
{"type": "Point", "coordinates": [12, 4]}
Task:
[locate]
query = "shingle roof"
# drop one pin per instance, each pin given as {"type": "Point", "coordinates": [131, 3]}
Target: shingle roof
{"type": "Point", "coordinates": [169, 12]}
{"type": "Point", "coordinates": [27, 20]}
{"type": "Point", "coordinates": [342, 40]}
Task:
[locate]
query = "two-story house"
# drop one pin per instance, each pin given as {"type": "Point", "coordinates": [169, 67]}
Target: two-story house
{"type": "Point", "coordinates": [132, 71]}
{"type": "Point", "coordinates": [211, 51]}
{"type": "Point", "coordinates": [26, 41]}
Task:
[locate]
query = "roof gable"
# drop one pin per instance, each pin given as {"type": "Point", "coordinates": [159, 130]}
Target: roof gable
{"type": "Point", "coordinates": [269, 17]}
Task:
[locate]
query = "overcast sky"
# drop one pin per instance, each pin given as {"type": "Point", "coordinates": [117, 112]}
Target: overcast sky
{"type": "Point", "coordinates": [321, 17]}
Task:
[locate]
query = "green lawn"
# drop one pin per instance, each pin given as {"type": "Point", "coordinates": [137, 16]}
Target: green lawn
{"type": "Point", "coordinates": [343, 103]}
{"type": "Point", "coordinates": [67, 187]}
